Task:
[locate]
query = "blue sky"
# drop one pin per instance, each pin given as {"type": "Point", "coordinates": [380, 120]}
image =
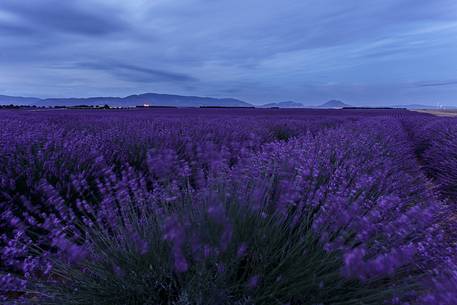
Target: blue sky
{"type": "Point", "coordinates": [376, 52]}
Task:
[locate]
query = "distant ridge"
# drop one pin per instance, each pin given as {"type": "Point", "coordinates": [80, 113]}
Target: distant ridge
{"type": "Point", "coordinates": [286, 104]}
{"type": "Point", "coordinates": [153, 99]}
{"type": "Point", "coordinates": [173, 100]}
{"type": "Point", "coordinates": [17, 100]}
{"type": "Point", "coordinates": [334, 104]}
{"type": "Point", "coordinates": [182, 101]}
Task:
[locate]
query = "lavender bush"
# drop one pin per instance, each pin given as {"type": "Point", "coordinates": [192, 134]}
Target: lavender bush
{"type": "Point", "coordinates": [439, 141]}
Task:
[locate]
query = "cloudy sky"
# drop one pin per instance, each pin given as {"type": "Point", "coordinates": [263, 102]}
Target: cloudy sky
{"type": "Point", "coordinates": [363, 52]}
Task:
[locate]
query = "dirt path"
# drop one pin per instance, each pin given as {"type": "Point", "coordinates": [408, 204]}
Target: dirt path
{"type": "Point", "coordinates": [446, 113]}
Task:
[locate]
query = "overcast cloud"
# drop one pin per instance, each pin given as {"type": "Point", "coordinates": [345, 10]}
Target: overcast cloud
{"type": "Point", "coordinates": [363, 52]}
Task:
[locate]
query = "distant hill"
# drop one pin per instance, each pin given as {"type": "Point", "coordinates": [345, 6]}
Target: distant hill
{"type": "Point", "coordinates": [286, 104]}
{"type": "Point", "coordinates": [17, 100]}
{"type": "Point", "coordinates": [334, 104]}
{"type": "Point", "coordinates": [153, 99]}
{"type": "Point", "coordinates": [157, 99]}
{"type": "Point", "coordinates": [182, 101]}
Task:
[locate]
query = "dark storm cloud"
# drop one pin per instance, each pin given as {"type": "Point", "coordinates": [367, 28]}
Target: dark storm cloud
{"type": "Point", "coordinates": [139, 74]}
{"type": "Point", "coordinates": [52, 16]}
{"type": "Point", "coordinates": [257, 50]}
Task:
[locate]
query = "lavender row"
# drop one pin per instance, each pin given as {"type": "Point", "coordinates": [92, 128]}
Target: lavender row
{"type": "Point", "coordinates": [435, 140]}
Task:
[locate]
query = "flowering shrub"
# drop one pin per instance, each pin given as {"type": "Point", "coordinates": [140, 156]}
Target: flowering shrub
{"type": "Point", "coordinates": [436, 143]}
{"type": "Point", "coordinates": [208, 253]}
{"type": "Point", "coordinates": [221, 207]}
{"type": "Point", "coordinates": [441, 155]}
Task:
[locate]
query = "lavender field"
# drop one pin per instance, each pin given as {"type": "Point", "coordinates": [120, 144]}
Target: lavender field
{"type": "Point", "coordinates": [227, 206]}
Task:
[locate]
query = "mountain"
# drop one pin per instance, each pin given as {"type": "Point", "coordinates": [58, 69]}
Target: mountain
{"type": "Point", "coordinates": [153, 99]}
{"type": "Point", "coordinates": [156, 99]}
{"type": "Point", "coordinates": [287, 104]}
{"type": "Point", "coordinates": [17, 100]}
{"type": "Point", "coordinates": [334, 104]}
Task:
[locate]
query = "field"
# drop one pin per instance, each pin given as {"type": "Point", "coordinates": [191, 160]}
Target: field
{"type": "Point", "coordinates": [227, 206]}
{"type": "Point", "coordinates": [440, 112]}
